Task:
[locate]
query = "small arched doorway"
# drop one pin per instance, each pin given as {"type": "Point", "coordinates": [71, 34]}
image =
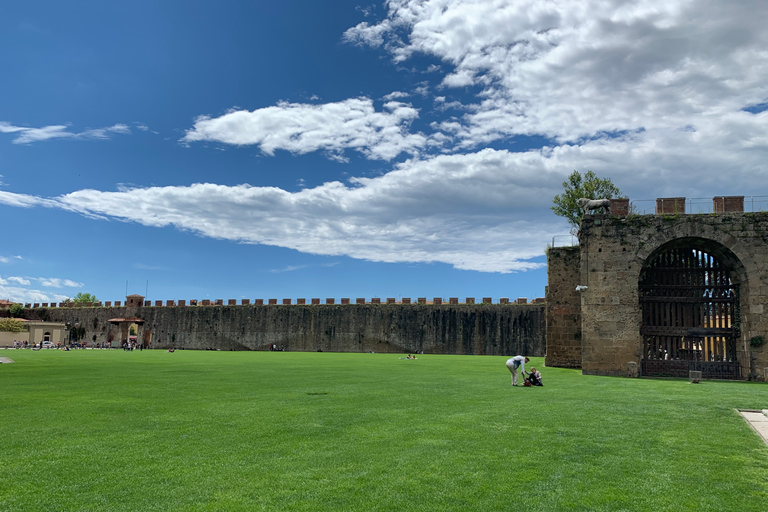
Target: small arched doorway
{"type": "Point", "coordinates": [690, 311]}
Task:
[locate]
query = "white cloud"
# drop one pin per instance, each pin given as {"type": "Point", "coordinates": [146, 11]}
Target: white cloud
{"type": "Point", "coordinates": [26, 295]}
{"type": "Point", "coordinates": [470, 211]}
{"type": "Point", "coordinates": [289, 268]}
{"type": "Point", "coordinates": [332, 127]}
{"type": "Point", "coordinates": [55, 282]}
{"type": "Point", "coordinates": [572, 69]}
{"type": "Point", "coordinates": [103, 133]}
{"type": "Point", "coordinates": [28, 135]}
{"type": "Point", "coordinates": [15, 288]}
{"type": "Point", "coordinates": [23, 200]}
{"type": "Point", "coordinates": [649, 93]}
{"type": "Point", "coordinates": [485, 211]}
{"type": "Point", "coordinates": [367, 34]}
{"type": "Point", "coordinates": [395, 95]}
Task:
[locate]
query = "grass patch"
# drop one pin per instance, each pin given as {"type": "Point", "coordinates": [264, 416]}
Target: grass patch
{"type": "Point", "coordinates": [112, 430]}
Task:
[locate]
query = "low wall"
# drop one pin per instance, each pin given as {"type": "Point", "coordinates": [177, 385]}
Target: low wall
{"type": "Point", "coordinates": [490, 329]}
{"type": "Point", "coordinates": [7, 338]}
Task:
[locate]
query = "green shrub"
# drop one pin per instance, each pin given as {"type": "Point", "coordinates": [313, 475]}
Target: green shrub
{"type": "Point", "coordinates": [11, 325]}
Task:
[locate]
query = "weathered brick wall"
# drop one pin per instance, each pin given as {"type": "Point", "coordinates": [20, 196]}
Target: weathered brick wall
{"type": "Point", "coordinates": [613, 251]}
{"type": "Point", "coordinates": [723, 204]}
{"type": "Point", "coordinates": [563, 308]}
{"type": "Point", "coordinates": [490, 329]}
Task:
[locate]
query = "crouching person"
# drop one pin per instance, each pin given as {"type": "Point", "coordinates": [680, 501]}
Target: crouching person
{"type": "Point", "coordinates": [535, 377]}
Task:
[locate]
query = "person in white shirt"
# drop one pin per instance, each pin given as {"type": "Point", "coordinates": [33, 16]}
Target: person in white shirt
{"type": "Point", "coordinates": [515, 363]}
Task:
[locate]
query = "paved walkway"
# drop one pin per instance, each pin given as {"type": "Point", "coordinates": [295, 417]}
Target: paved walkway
{"type": "Point", "coordinates": [759, 421]}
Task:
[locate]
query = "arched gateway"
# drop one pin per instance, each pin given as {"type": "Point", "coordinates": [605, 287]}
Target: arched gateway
{"type": "Point", "coordinates": [690, 312]}
{"type": "Point", "coordinates": [663, 294]}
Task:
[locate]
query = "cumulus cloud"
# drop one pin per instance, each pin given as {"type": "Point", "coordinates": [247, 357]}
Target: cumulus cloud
{"type": "Point", "coordinates": [465, 210]}
{"type": "Point", "coordinates": [26, 135]}
{"type": "Point", "coordinates": [486, 210]}
{"type": "Point", "coordinates": [661, 97]}
{"type": "Point", "coordinates": [396, 95]}
{"type": "Point", "coordinates": [586, 68]}
{"type": "Point", "coordinates": [331, 127]}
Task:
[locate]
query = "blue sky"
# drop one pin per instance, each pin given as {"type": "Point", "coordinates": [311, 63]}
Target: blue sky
{"type": "Point", "coordinates": [402, 149]}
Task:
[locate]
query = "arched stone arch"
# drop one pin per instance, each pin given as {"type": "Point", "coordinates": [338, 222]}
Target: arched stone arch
{"type": "Point", "coordinates": [688, 292]}
{"type": "Point", "coordinates": [613, 252]}
{"type": "Point", "coordinates": [718, 240]}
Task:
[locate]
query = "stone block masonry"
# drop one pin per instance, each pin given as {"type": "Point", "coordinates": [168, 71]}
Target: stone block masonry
{"type": "Point", "coordinates": [612, 255]}
{"type": "Point", "coordinates": [563, 308]}
{"type": "Point", "coordinates": [481, 329]}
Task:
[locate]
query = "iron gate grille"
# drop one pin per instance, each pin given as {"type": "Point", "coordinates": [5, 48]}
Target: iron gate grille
{"type": "Point", "coordinates": [689, 309]}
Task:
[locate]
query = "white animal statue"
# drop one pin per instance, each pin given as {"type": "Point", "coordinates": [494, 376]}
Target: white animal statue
{"type": "Point", "coordinates": [593, 204]}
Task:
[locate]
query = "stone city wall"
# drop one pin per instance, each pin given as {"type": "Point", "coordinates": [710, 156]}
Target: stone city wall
{"type": "Point", "coordinates": [482, 329]}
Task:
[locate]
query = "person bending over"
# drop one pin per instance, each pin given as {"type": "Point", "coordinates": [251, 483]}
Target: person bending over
{"type": "Point", "coordinates": [515, 365]}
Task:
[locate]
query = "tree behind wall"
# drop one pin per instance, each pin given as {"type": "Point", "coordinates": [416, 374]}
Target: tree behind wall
{"type": "Point", "coordinates": [11, 325]}
{"type": "Point", "coordinates": [82, 298]}
{"type": "Point", "coordinates": [577, 186]}
{"type": "Point", "coordinates": [16, 310]}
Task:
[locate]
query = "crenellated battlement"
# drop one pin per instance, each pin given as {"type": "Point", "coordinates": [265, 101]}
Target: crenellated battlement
{"type": "Point", "coordinates": [138, 301]}
{"type": "Point", "coordinates": [689, 205]}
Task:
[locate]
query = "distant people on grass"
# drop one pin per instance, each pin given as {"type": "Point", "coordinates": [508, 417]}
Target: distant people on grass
{"type": "Point", "coordinates": [516, 365]}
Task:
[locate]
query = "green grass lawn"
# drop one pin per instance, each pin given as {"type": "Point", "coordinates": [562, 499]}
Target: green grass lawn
{"type": "Point", "coordinates": [111, 430]}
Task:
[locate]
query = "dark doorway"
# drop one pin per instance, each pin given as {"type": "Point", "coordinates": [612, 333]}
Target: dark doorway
{"type": "Point", "coordinates": [690, 315]}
